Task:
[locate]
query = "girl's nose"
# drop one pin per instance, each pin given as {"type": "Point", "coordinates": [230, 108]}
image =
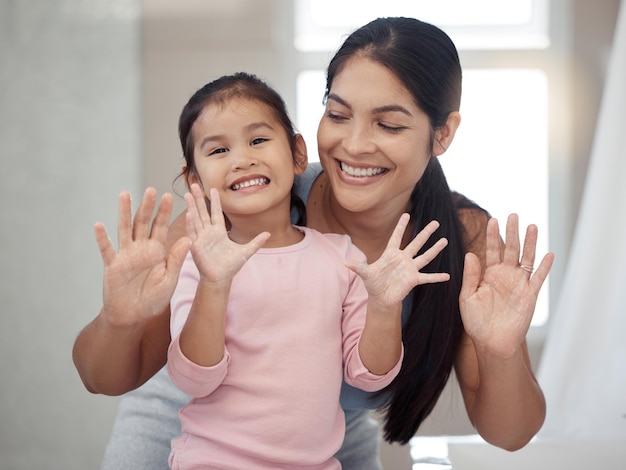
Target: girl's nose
{"type": "Point", "coordinates": [244, 159]}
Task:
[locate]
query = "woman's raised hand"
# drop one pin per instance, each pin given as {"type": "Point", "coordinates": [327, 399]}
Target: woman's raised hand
{"type": "Point", "coordinates": [141, 276]}
{"type": "Point", "coordinates": [217, 257]}
{"type": "Point", "coordinates": [498, 309]}
{"type": "Point", "coordinates": [390, 278]}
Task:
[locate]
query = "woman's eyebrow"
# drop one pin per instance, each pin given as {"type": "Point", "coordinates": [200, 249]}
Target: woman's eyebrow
{"type": "Point", "coordinates": [392, 108]}
{"type": "Point", "coordinates": [341, 101]}
{"type": "Point", "coordinates": [381, 109]}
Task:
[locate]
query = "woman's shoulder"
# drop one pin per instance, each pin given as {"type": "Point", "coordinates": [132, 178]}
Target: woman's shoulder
{"type": "Point", "coordinates": [303, 182]}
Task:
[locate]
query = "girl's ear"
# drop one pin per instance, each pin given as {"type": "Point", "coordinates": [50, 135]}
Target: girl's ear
{"type": "Point", "coordinates": [300, 156]}
{"type": "Point", "coordinates": [445, 134]}
{"type": "Point", "coordinates": [190, 177]}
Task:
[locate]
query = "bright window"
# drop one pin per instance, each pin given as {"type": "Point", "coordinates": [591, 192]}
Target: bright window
{"type": "Point", "coordinates": [479, 24]}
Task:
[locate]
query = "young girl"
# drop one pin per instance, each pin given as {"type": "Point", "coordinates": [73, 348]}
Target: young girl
{"type": "Point", "coordinates": [268, 317]}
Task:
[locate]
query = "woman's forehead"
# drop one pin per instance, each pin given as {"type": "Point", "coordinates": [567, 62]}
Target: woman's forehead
{"type": "Point", "coordinates": [369, 83]}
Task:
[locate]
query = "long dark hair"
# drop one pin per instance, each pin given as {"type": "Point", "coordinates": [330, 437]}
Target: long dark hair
{"type": "Point", "coordinates": [426, 61]}
{"type": "Point", "coordinates": [219, 91]}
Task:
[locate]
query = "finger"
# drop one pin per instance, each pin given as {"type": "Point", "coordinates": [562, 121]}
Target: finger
{"type": "Point", "coordinates": [540, 275]}
{"type": "Point", "coordinates": [176, 257]}
{"type": "Point", "coordinates": [471, 277]}
{"type": "Point", "coordinates": [512, 245]}
{"type": "Point", "coordinates": [530, 245]}
{"type": "Point", "coordinates": [217, 216]}
{"type": "Point", "coordinates": [200, 203]}
{"type": "Point", "coordinates": [104, 244]}
{"type": "Point", "coordinates": [192, 219]}
{"type": "Point", "coordinates": [124, 231]}
{"type": "Point", "coordinates": [422, 237]}
{"type": "Point", "coordinates": [253, 245]}
{"type": "Point", "coordinates": [433, 278]}
{"type": "Point", "coordinates": [141, 222]}
{"type": "Point", "coordinates": [160, 224]}
{"type": "Point", "coordinates": [395, 241]}
{"type": "Point", "coordinates": [360, 268]}
{"type": "Point", "coordinates": [430, 254]}
{"type": "Point", "coordinates": [493, 254]}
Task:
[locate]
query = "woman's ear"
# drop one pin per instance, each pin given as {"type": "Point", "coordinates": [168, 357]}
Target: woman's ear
{"type": "Point", "coordinates": [300, 155]}
{"type": "Point", "coordinates": [445, 134]}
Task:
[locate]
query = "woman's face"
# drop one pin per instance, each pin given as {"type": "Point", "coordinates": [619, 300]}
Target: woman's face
{"type": "Point", "coordinates": [373, 139]}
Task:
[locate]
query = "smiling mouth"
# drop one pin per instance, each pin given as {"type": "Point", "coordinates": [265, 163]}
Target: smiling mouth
{"type": "Point", "coordinates": [250, 183]}
{"type": "Point", "coordinates": [361, 172]}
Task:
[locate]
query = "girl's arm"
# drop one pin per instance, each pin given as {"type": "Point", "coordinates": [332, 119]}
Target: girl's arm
{"type": "Point", "coordinates": [127, 342]}
{"type": "Point", "coordinates": [388, 281]}
{"type": "Point", "coordinates": [218, 259]}
{"type": "Point", "coordinates": [501, 393]}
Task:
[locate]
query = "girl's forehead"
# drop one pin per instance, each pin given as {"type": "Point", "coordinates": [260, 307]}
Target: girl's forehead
{"type": "Point", "coordinates": [236, 106]}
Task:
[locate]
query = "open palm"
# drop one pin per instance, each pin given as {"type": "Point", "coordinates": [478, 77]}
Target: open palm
{"type": "Point", "coordinates": [498, 309]}
{"type": "Point", "coordinates": [216, 256]}
{"type": "Point", "coordinates": [391, 277]}
{"type": "Point", "coordinates": [140, 277]}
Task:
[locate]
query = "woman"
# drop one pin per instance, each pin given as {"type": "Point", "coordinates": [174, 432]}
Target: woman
{"type": "Point", "coordinates": [392, 100]}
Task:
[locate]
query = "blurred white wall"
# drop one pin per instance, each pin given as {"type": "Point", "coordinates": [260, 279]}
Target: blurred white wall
{"type": "Point", "coordinates": [70, 140]}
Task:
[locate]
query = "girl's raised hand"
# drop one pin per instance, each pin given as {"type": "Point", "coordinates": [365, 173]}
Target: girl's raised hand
{"type": "Point", "coordinates": [217, 257]}
{"type": "Point", "coordinates": [140, 277]}
{"type": "Point", "coordinates": [498, 309]}
{"type": "Point", "coordinates": [390, 278]}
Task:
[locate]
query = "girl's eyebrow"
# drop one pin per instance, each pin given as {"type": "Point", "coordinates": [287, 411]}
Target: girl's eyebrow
{"type": "Point", "coordinates": [258, 125]}
{"type": "Point", "coordinates": [381, 109]}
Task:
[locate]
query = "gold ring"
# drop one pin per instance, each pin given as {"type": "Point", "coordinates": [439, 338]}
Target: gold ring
{"type": "Point", "coordinates": [528, 269]}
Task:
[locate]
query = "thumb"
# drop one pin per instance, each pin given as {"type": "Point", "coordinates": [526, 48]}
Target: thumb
{"type": "Point", "coordinates": [257, 242]}
{"type": "Point", "coordinates": [177, 254]}
{"type": "Point", "coordinates": [358, 267]}
{"type": "Point", "coordinates": [471, 276]}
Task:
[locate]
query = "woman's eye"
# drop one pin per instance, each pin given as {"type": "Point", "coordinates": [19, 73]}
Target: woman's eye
{"type": "Point", "coordinates": [387, 127]}
{"type": "Point", "coordinates": [335, 117]}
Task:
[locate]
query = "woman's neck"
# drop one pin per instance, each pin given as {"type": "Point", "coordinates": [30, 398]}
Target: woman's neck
{"type": "Point", "coordinates": [369, 230]}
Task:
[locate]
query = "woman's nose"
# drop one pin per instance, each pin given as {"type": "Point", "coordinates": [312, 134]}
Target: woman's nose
{"type": "Point", "coordinates": [359, 140]}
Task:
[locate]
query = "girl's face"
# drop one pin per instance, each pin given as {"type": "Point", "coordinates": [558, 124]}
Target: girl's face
{"type": "Point", "coordinates": [373, 139]}
{"type": "Point", "coordinates": [241, 149]}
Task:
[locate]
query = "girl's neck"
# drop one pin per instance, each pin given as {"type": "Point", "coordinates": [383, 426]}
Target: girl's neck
{"type": "Point", "coordinates": [283, 233]}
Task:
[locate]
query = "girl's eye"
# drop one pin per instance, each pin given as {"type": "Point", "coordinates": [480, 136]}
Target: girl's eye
{"type": "Point", "coordinates": [218, 150]}
{"type": "Point", "coordinates": [259, 140]}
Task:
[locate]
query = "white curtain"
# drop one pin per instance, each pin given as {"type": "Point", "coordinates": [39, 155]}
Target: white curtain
{"type": "Point", "coordinates": [583, 369]}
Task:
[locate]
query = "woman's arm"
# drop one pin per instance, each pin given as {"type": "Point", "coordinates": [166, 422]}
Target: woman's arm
{"type": "Point", "coordinates": [501, 393]}
{"type": "Point", "coordinates": [127, 341]}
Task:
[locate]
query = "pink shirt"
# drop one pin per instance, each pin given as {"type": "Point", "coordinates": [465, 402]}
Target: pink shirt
{"type": "Point", "coordinates": [294, 320]}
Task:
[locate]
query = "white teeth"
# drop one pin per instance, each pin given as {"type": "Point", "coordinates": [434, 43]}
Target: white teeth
{"type": "Point", "coordinates": [360, 172]}
{"type": "Point", "coordinates": [252, 182]}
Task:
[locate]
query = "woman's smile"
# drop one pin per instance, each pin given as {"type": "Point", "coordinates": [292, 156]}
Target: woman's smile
{"type": "Point", "coordinates": [361, 171]}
